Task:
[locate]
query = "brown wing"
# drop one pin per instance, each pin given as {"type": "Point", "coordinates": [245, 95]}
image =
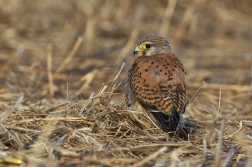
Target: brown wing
{"type": "Point", "coordinates": [158, 81]}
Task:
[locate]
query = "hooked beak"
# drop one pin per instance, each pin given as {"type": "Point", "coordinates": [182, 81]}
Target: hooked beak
{"type": "Point", "coordinates": [136, 50]}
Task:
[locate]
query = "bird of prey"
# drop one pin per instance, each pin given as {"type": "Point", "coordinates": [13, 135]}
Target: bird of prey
{"type": "Point", "coordinates": [156, 84]}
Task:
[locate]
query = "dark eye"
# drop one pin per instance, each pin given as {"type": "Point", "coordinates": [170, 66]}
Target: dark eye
{"type": "Point", "coordinates": [147, 45]}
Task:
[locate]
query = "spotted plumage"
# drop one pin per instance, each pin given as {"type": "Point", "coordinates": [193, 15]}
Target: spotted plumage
{"type": "Point", "coordinates": [156, 84]}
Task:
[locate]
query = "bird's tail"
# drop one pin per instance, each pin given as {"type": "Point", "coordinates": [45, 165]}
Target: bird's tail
{"type": "Point", "coordinates": [176, 124]}
{"type": "Point", "coordinates": [169, 123]}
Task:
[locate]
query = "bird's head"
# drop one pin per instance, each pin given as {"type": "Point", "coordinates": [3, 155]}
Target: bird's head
{"type": "Point", "coordinates": [151, 45]}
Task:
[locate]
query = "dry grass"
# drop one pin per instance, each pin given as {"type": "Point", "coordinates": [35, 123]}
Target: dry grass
{"type": "Point", "coordinates": [61, 81]}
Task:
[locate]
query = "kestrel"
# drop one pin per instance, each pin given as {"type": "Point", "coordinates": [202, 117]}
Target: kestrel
{"type": "Point", "coordinates": [156, 84]}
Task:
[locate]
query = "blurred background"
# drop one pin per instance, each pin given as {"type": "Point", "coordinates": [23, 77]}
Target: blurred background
{"type": "Point", "coordinates": [89, 40]}
{"type": "Point", "coordinates": [59, 53]}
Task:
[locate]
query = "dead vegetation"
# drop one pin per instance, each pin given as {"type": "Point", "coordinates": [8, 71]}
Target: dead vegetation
{"type": "Point", "coordinates": [62, 75]}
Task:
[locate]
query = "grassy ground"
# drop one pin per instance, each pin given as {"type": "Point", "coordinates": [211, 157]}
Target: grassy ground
{"type": "Point", "coordinates": [62, 102]}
